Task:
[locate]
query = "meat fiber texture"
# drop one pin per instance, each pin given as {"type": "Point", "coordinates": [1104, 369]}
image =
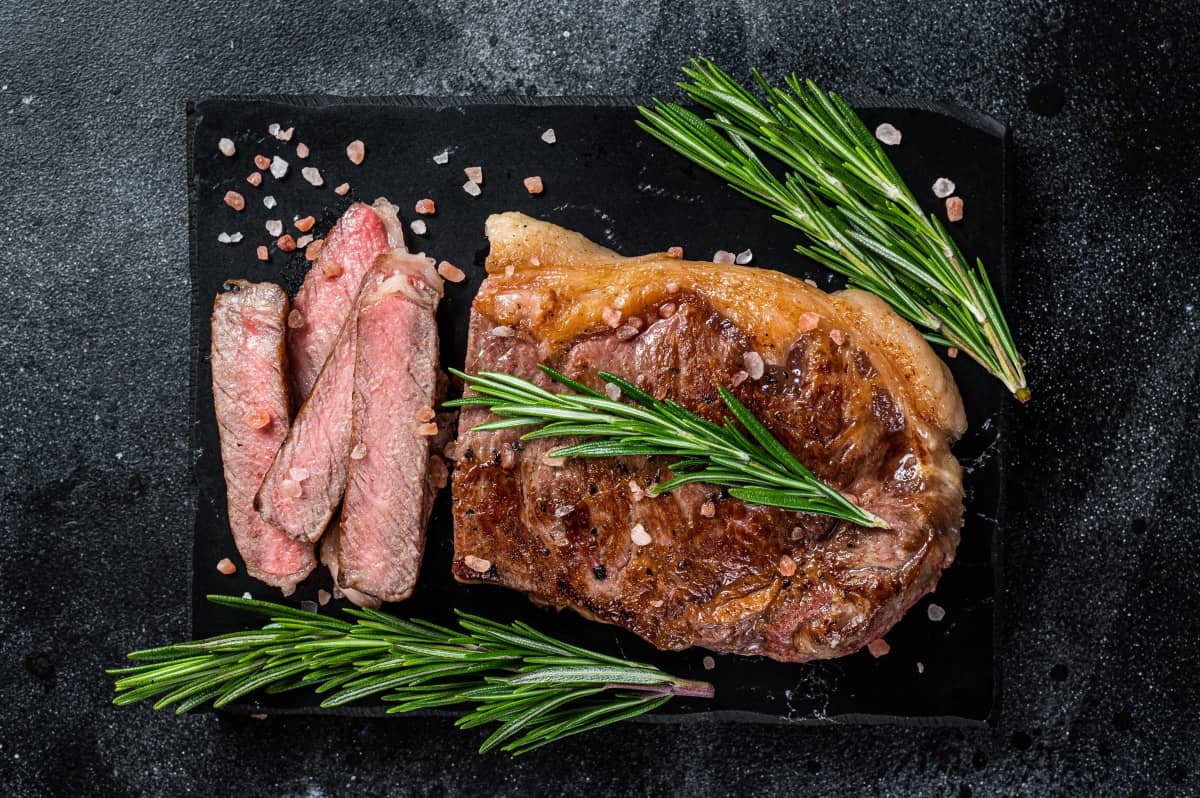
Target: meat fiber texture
{"type": "Point", "coordinates": [250, 398]}
{"type": "Point", "coordinates": [305, 483]}
{"type": "Point", "coordinates": [381, 534]}
{"type": "Point", "coordinates": [847, 385]}
{"type": "Point", "coordinates": [327, 295]}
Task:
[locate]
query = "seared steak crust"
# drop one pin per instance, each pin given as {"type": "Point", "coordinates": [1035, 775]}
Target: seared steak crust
{"type": "Point", "coordinates": [845, 391]}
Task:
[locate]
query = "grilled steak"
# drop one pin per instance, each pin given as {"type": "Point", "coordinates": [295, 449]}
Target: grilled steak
{"type": "Point", "coordinates": [329, 289]}
{"type": "Point", "coordinates": [251, 402]}
{"type": "Point", "coordinates": [848, 386]}
{"type": "Point", "coordinates": [306, 479]}
{"type": "Point", "coordinates": [381, 534]}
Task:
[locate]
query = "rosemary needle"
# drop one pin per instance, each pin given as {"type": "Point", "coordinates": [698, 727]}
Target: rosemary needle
{"type": "Point", "coordinates": [538, 689]}
{"type": "Point", "coordinates": [844, 194]}
{"type": "Point", "coordinates": [743, 456]}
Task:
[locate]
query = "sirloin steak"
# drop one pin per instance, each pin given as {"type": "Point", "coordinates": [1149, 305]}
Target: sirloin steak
{"type": "Point", "coordinates": [846, 384]}
{"type": "Point", "coordinates": [381, 534]}
{"type": "Point", "coordinates": [250, 399]}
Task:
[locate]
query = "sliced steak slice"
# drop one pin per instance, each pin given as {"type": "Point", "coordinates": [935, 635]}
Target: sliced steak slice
{"type": "Point", "coordinates": [250, 398]}
{"type": "Point", "coordinates": [848, 386]}
{"type": "Point", "coordinates": [329, 289]}
{"type": "Point", "coordinates": [306, 480]}
{"type": "Point", "coordinates": [381, 535]}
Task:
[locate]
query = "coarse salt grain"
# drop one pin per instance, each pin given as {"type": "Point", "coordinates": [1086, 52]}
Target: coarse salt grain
{"type": "Point", "coordinates": [418, 226]}
{"type": "Point", "coordinates": [636, 492]}
{"type": "Point", "coordinates": [510, 270]}
{"type": "Point", "coordinates": [656, 602]}
{"type": "Point", "coordinates": [667, 310]}
{"type": "Point", "coordinates": [471, 188]}
{"type": "Point", "coordinates": [258, 418]}
{"type": "Point", "coordinates": [313, 175]}
{"type": "Point", "coordinates": [723, 256]}
{"type": "Point", "coordinates": [442, 158]}
{"type": "Point", "coordinates": [298, 474]}
{"type": "Point", "coordinates": [303, 241]}
{"type": "Point", "coordinates": [808, 322]}
{"type": "Point", "coordinates": [611, 317]}
{"type": "Point", "coordinates": [262, 162]}
{"type": "Point", "coordinates": [502, 331]}
{"type": "Point", "coordinates": [943, 187]}
{"type": "Point", "coordinates": [535, 261]}
{"type": "Point", "coordinates": [302, 150]}
{"type": "Point", "coordinates": [787, 566]}
{"type": "Point", "coordinates": [672, 287]}
{"type": "Point", "coordinates": [356, 151]}
{"type": "Point", "coordinates": [744, 257]}
{"type": "Point", "coordinates": [358, 452]}
{"type": "Point", "coordinates": [227, 148]}
{"type": "Point", "coordinates": [811, 281]}
{"type": "Point", "coordinates": [285, 135]}
{"type": "Point", "coordinates": [323, 596]}
{"type": "Point", "coordinates": [626, 332]}
{"type": "Point", "coordinates": [274, 227]}
{"type": "Point", "coordinates": [254, 179]}
{"type": "Point", "coordinates": [286, 243]}
{"type": "Point", "coordinates": [295, 319]}
{"type": "Point", "coordinates": [753, 363]}
{"type": "Point", "coordinates": [952, 352]}
{"type": "Point", "coordinates": [342, 190]}
{"type": "Point", "coordinates": [262, 252]}
{"type": "Point", "coordinates": [428, 430]}
{"type": "Point", "coordinates": [477, 564]}
{"type": "Point", "coordinates": [920, 667]}
{"type": "Point", "coordinates": [738, 378]}
{"type": "Point", "coordinates": [273, 129]}
{"type": "Point", "coordinates": [425, 414]}
{"type": "Point", "coordinates": [640, 536]}
{"type": "Point", "coordinates": [954, 209]}
{"type": "Point", "coordinates": [533, 184]}
{"type": "Point", "coordinates": [451, 272]}
{"type": "Point", "coordinates": [474, 174]}
{"type": "Point", "coordinates": [548, 136]}
{"type": "Point", "coordinates": [837, 336]}
{"type": "Point", "coordinates": [709, 663]}
{"type": "Point", "coordinates": [279, 167]}
{"type": "Point", "coordinates": [305, 224]}
{"type": "Point", "coordinates": [797, 533]}
{"type": "Point", "coordinates": [269, 201]}
{"type": "Point", "coordinates": [612, 391]}
{"type": "Point", "coordinates": [226, 566]}
{"type": "Point", "coordinates": [246, 595]}
{"type": "Point", "coordinates": [292, 488]}
{"type": "Point", "coordinates": [425, 206]}
{"type": "Point", "coordinates": [935, 612]}
{"type": "Point", "coordinates": [708, 509]}
{"type": "Point", "coordinates": [563, 511]}
{"type": "Point", "coordinates": [314, 249]}
{"type": "Point", "coordinates": [878, 648]}
{"type": "Point", "coordinates": [674, 252]}
{"type": "Point", "coordinates": [235, 200]}
{"type": "Point", "coordinates": [888, 134]}
{"type": "Point", "coordinates": [229, 238]}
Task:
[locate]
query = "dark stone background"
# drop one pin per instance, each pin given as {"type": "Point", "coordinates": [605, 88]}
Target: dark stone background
{"type": "Point", "coordinates": [1100, 692]}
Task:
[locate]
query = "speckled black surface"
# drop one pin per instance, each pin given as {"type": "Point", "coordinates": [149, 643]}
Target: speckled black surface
{"type": "Point", "coordinates": [1100, 591]}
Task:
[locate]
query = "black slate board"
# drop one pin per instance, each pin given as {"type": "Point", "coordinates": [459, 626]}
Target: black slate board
{"type": "Point", "coordinates": [612, 183]}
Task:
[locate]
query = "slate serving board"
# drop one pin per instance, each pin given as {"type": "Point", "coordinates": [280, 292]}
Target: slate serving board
{"type": "Point", "coordinates": [616, 185]}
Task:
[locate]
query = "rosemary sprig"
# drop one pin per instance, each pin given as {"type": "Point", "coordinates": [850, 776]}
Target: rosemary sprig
{"type": "Point", "coordinates": [538, 689]}
{"type": "Point", "coordinates": [748, 460]}
{"type": "Point", "coordinates": [844, 194]}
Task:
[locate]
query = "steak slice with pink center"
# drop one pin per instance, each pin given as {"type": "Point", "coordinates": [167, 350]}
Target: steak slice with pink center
{"type": "Point", "coordinates": [329, 289]}
{"type": "Point", "coordinates": [381, 535]}
{"type": "Point", "coordinates": [250, 398]}
{"type": "Point", "coordinates": [305, 482]}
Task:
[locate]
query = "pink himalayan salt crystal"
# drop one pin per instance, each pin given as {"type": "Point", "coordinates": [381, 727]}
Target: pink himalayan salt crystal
{"type": "Point", "coordinates": [878, 648]}
{"type": "Point", "coordinates": [954, 209]}
{"type": "Point", "coordinates": [837, 336]}
{"type": "Point", "coordinates": [807, 322]}
{"type": "Point", "coordinates": [612, 317]}
{"type": "Point", "coordinates": [888, 134]}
